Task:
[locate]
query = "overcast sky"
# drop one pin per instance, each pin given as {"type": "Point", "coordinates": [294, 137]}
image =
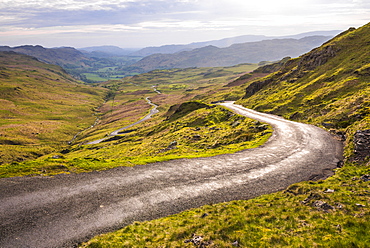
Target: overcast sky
{"type": "Point", "coordinates": [141, 23]}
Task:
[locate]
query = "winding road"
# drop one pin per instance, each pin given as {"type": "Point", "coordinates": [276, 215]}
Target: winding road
{"type": "Point", "coordinates": [152, 111]}
{"type": "Point", "coordinates": [64, 210]}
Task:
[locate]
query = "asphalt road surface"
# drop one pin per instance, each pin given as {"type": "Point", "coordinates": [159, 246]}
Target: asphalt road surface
{"type": "Point", "coordinates": [64, 210]}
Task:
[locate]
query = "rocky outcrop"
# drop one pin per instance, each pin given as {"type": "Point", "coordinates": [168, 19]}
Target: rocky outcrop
{"type": "Point", "coordinates": [317, 57]}
{"type": "Point", "coordinates": [321, 205]}
{"type": "Point", "coordinates": [362, 145]}
{"type": "Point", "coordinates": [257, 86]}
{"type": "Point", "coordinates": [198, 241]}
{"type": "Point", "coordinates": [180, 110]}
{"type": "Point", "coordinates": [171, 146]}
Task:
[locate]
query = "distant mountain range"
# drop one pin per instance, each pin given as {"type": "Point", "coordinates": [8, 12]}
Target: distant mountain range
{"type": "Point", "coordinates": [122, 62]}
{"type": "Point", "coordinates": [168, 49]}
{"type": "Point", "coordinates": [226, 42]}
{"type": "Point", "coordinates": [249, 52]}
{"type": "Point", "coordinates": [107, 51]}
{"type": "Point", "coordinates": [78, 63]}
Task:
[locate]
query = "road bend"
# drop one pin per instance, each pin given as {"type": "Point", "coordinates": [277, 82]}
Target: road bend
{"type": "Point", "coordinates": [152, 111]}
{"type": "Point", "coordinates": [65, 210]}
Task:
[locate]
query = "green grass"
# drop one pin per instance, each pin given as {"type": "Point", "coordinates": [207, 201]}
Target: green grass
{"type": "Point", "coordinates": [94, 77]}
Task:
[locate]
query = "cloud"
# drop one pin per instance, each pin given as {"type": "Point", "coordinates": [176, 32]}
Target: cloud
{"type": "Point", "coordinates": [46, 13]}
{"type": "Point", "coordinates": [177, 21]}
{"type": "Point", "coordinates": [62, 5]}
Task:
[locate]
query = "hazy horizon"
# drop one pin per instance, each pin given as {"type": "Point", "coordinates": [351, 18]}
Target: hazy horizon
{"type": "Point", "coordinates": [138, 48]}
{"type": "Point", "coordinates": [143, 23]}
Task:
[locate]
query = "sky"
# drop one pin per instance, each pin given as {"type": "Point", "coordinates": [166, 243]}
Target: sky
{"type": "Point", "coordinates": [143, 23]}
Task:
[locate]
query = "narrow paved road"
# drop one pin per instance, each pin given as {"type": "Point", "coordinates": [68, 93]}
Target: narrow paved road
{"type": "Point", "coordinates": [67, 209]}
{"type": "Point", "coordinates": [152, 111]}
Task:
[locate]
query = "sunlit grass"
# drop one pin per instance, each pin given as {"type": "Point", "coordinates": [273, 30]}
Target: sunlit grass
{"type": "Point", "coordinates": [48, 116]}
{"type": "Point", "coordinates": [201, 133]}
{"type": "Point", "coordinates": [282, 219]}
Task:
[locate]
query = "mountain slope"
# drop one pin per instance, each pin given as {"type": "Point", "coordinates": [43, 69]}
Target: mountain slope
{"type": "Point", "coordinates": [251, 52]}
{"type": "Point", "coordinates": [42, 107]}
{"type": "Point", "coordinates": [329, 87]}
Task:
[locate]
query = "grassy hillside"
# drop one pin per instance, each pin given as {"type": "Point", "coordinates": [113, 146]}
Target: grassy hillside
{"type": "Point", "coordinates": [41, 108]}
{"type": "Point", "coordinates": [328, 87]}
{"type": "Point", "coordinates": [176, 86]}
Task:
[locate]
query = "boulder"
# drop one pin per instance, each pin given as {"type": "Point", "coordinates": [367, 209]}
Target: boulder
{"type": "Point", "coordinates": [322, 205]}
{"type": "Point", "coordinates": [198, 241]}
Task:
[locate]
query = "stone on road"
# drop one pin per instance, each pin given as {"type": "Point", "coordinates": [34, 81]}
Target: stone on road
{"type": "Point", "coordinates": [64, 210]}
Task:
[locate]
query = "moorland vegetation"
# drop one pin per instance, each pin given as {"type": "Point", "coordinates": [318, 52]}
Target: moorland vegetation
{"type": "Point", "coordinates": [328, 87]}
{"type": "Point", "coordinates": [184, 127]}
{"type": "Point", "coordinates": [42, 108]}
